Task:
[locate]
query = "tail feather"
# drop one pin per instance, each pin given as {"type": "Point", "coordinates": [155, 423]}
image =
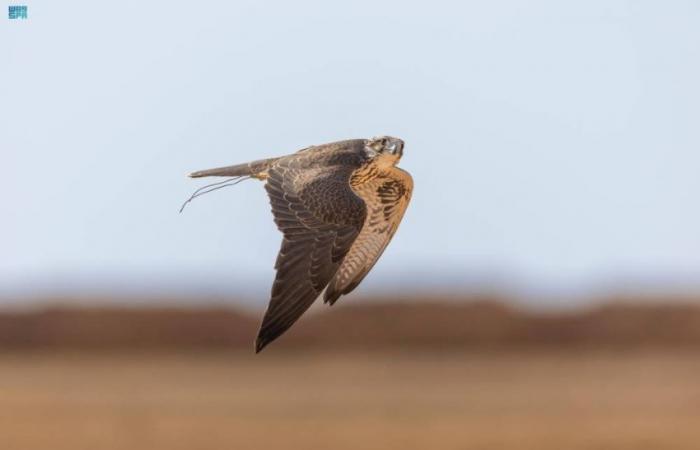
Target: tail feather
{"type": "Point", "coordinates": [229, 171]}
{"type": "Point", "coordinates": [253, 169]}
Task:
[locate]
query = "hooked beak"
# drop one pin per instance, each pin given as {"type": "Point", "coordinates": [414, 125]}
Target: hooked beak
{"type": "Point", "coordinates": [396, 147]}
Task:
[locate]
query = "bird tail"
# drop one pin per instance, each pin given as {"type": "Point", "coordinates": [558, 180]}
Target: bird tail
{"type": "Point", "coordinates": [255, 169]}
{"type": "Point", "coordinates": [235, 174]}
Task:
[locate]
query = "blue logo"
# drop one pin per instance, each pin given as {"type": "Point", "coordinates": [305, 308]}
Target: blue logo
{"type": "Point", "coordinates": [16, 12]}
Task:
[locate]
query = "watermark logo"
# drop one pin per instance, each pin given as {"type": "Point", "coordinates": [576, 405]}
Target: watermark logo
{"type": "Point", "coordinates": [16, 12]}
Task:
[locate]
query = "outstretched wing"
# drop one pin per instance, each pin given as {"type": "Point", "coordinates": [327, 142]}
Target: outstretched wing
{"type": "Point", "coordinates": [320, 216]}
{"type": "Point", "coordinates": [386, 199]}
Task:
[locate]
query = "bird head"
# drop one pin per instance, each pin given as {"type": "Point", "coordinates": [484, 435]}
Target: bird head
{"type": "Point", "coordinates": [385, 149]}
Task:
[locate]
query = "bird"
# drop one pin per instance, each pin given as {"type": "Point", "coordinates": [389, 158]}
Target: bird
{"type": "Point", "coordinates": [337, 205]}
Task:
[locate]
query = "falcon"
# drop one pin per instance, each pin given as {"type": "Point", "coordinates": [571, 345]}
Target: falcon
{"type": "Point", "coordinates": [337, 205]}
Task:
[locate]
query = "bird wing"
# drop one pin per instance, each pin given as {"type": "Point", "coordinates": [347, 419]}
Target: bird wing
{"type": "Point", "coordinates": [320, 216]}
{"type": "Point", "coordinates": [386, 198]}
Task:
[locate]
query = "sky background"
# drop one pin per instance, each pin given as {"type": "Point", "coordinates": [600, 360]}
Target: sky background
{"type": "Point", "coordinates": [554, 145]}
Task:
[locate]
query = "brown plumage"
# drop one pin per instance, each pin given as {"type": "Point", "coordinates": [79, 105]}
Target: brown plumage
{"type": "Point", "coordinates": [338, 206]}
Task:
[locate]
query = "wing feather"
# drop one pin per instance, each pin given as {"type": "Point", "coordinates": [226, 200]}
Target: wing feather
{"type": "Point", "coordinates": [386, 198]}
{"type": "Point", "coordinates": [318, 230]}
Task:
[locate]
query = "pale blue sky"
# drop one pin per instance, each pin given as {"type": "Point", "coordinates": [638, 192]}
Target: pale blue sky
{"type": "Point", "coordinates": [554, 143]}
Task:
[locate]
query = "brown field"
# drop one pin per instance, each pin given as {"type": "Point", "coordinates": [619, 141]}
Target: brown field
{"type": "Point", "coordinates": [418, 324]}
{"type": "Point", "coordinates": [390, 399]}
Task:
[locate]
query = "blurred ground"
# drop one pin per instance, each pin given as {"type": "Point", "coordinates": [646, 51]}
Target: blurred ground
{"type": "Point", "coordinates": [402, 375]}
{"type": "Point", "coordinates": [351, 400]}
{"type": "Point", "coordinates": [405, 324]}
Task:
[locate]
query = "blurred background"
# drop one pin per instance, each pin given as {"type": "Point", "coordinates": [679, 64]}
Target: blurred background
{"type": "Point", "coordinates": [543, 290]}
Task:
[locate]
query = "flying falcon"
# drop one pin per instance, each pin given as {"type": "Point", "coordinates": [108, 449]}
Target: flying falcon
{"type": "Point", "coordinates": [338, 206]}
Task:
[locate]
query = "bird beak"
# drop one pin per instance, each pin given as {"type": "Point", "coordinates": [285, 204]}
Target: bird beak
{"type": "Point", "coordinates": [396, 148]}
